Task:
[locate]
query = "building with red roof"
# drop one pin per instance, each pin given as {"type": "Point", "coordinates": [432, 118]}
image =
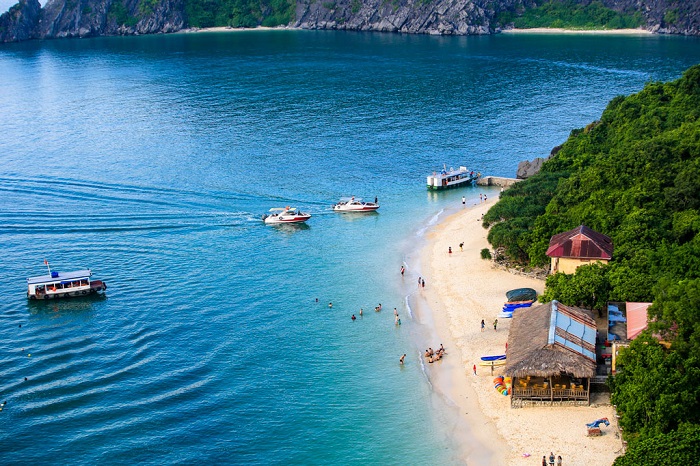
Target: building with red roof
{"type": "Point", "coordinates": [577, 247]}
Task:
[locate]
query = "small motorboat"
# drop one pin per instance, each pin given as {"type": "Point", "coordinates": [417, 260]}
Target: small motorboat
{"type": "Point", "coordinates": [285, 215]}
{"type": "Point", "coordinates": [354, 204]}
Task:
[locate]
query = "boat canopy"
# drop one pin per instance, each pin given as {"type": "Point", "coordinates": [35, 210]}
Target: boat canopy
{"type": "Point", "coordinates": [61, 276]}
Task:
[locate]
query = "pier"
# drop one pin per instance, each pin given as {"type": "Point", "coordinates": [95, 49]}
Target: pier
{"type": "Point", "coordinates": [497, 181]}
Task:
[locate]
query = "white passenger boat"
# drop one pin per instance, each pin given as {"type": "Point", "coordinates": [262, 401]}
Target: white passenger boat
{"type": "Point", "coordinates": [452, 178]}
{"type": "Point", "coordinates": [354, 204]}
{"type": "Point", "coordinates": [285, 215]}
{"type": "Point", "coordinates": [63, 285]}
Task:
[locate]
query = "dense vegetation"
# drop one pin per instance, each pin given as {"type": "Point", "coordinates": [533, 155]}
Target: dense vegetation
{"type": "Point", "coordinates": [634, 176]}
{"type": "Point", "coordinates": [571, 14]}
{"type": "Point", "coordinates": [239, 13]}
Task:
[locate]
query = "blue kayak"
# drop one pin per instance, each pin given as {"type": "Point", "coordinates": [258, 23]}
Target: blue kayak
{"type": "Point", "coordinates": [493, 358]}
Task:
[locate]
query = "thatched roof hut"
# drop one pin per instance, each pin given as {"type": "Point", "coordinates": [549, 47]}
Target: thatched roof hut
{"type": "Point", "coordinates": [551, 340]}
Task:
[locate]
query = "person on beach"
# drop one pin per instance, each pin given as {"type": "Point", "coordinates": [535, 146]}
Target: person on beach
{"type": "Point", "coordinates": [483, 324]}
{"type": "Point", "coordinates": [427, 354]}
{"type": "Point", "coordinates": [464, 200]}
{"type": "Point", "coordinates": [423, 281]}
{"type": "Point", "coordinates": [430, 351]}
{"type": "Point", "coordinates": [353, 317]}
{"type": "Point", "coordinates": [402, 358]}
{"type": "Point", "coordinates": [551, 458]}
{"type": "Point", "coordinates": [544, 461]}
{"type": "Point", "coordinates": [442, 348]}
{"type": "Point", "coordinates": [559, 460]}
{"type": "Point", "coordinates": [474, 369]}
{"type": "Point", "coordinates": [461, 246]}
{"type": "Point", "coordinates": [419, 282]}
{"type": "Point", "coordinates": [402, 270]}
{"type": "Point", "coordinates": [449, 249]}
{"type": "Point", "coordinates": [484, 197]}
{"type": "Point", "coordinates": [495, 324]}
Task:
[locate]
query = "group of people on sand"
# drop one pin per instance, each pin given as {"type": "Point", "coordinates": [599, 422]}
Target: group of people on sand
{"type": "Point", "coordinates": [433, 356]}
{"type": "Point", "coordinates": [551, 460]}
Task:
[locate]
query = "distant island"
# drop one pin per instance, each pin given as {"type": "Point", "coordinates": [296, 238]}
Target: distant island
{"type": "Point", "coordinates": [28, 20]}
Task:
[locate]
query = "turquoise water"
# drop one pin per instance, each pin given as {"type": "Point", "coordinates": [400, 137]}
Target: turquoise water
{"type": "Point", "coordinates": [151, 159]}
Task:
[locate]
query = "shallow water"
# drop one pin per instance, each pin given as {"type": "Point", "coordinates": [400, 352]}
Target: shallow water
{"type": "Point", "coordinates": [151, 159]}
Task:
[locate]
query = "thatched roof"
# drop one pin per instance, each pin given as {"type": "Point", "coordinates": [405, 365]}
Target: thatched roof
{"type": "Point", "coordinates": [581, 243]}
{"type": "Point", "coordinates": [551, 339]}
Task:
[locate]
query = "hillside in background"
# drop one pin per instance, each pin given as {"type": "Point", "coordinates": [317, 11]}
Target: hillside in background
{"type": "Point", "coordinates": [87, 18]}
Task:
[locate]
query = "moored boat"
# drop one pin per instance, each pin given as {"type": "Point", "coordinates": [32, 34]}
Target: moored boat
{"type": "Point", "coordinates": [64, 285]}
{"type": "Point", "coordinates": [354, 204]}
{"type": "Point", "coordinates": [279, 215]}
{"type": "Point", "coordinates": [452, 178]}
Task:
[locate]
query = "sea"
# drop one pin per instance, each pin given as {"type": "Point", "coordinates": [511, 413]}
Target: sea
{"type": "Point", "coordinates": [150, 160]}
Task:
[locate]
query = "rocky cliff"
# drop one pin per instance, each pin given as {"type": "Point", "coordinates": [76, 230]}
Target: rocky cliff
{"type": "Point", "coordinates": [84, 18]}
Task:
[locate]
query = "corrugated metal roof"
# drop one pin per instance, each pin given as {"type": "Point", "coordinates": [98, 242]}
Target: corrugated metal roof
{"type": "Point", "coordinates": [581, 243]}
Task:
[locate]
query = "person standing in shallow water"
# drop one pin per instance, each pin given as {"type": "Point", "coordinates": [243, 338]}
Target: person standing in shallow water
{"type": "Point", "coordinates": [402, 358]}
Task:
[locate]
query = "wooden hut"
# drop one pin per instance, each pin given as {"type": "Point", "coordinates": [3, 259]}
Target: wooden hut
{"type": "Point", "coordinates": [551, 355]}
{"type": "Point", "coordinates": [574, 248]}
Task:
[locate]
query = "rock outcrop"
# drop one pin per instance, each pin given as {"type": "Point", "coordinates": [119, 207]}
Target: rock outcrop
{"type": "Point", "coordinates": [526, 168]}
{"type": "Point", "coordinates": [85, 18]}
{"type": "Point", "coordinates": [444, 17]}
{"type": "Point", "coordinates": [67, 18]}
{"type": "Point", "coordinates": [20, 21]}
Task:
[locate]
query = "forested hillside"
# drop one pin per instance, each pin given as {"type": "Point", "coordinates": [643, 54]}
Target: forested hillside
{"type": "Point", "coordinates": [634, 176]}
{"type": "Point", "coordinates": [87, 18]}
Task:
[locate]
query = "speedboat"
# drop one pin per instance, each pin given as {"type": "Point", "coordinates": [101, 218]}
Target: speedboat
{"type": "Point", "coordinates": [354, 204]}
{"type": "Point", "coordinates": [63, 285]}
{"type": "Point", "coordinates": [452, 178]}
{"type": "Point", "coordinates": [285, 215]}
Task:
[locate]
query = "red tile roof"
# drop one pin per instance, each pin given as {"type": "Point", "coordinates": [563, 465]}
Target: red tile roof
{"type": "Point", "coordinates": [581, 243]}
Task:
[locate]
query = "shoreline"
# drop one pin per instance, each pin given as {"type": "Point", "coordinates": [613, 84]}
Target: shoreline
{"type": "Point", "coordinates": [464, 290]}
{"type": "Point", "coordinates": [621, 32]}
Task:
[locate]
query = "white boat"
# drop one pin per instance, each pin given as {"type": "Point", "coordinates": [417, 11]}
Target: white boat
{"type": "Point", "coordinates": [354, 204]}
{"type": "Point", "coordinates": [285, 215]}
{"type": "Point", "coordinates": [452, 178]}
{"type": "Point", "coordinates": [64, 285]}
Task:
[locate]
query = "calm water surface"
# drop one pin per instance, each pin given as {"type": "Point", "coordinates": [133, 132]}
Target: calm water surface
{"type": "Point", "coordinates": [151, 159]}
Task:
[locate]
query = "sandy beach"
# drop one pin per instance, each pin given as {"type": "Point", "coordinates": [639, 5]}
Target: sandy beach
{"type": "Point", "coordinates": [466, 289]}
{"type": "Point", "coordinates": [622, 32]}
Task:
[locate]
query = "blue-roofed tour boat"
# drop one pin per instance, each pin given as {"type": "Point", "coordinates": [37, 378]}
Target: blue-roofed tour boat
{"type": "Point", "coordinates": [63, 285]}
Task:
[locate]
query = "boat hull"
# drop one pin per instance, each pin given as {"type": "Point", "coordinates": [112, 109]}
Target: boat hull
{"type": "Point", "coordinates": [279, 221]}
{"type": "Point", "coordinates": [361, 209]}
{"type": "Point", "coordinates": [456, 184]}
{"type": "Point", "coordinates": [96, 287]}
